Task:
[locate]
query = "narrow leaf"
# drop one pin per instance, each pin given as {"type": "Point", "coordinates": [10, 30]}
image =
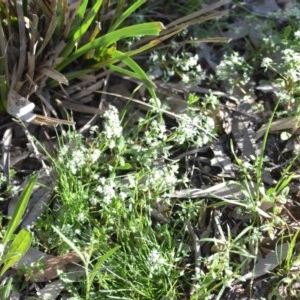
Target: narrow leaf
{"type": "Point", "coordinates": [102, 259]}
{"type": "Point", "coordinates": [70, 243]}
{"type": "Point", "coordinates": [126, 14]}
{"type": "Point", "coordinates": [17, 249]}
{"type": "Point", "coordinates": [20, 209]}
{"type": "Point", "coordinates": [128, 61]}
{"type": "Point", "coordinates": [87, 21]}
{"type": "Point", "coordinates": [151, 28]}
{"type": "Point", "coordinates": [78, 19]}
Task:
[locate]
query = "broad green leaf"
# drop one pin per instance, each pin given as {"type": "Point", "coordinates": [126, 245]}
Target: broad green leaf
{"type": "Point", "coordinates": [151, 28]}
{"type": "Point", "coordinates": [126, 14]}
{"type": "Point", "coordinates": [20, 209]}
{"type": "Point", "coordinates": [17, 249]}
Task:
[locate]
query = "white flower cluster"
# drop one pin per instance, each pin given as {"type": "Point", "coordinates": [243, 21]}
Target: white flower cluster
{"type": "Point", "coordinates": [291, 60]}
{"type": "Point", "coordinates": [155, 261]}
{"type": "Point", "coordinates": [288, 67]}
{"type": "Point", "coordinates": [297, 34]}
{"type": "Point", "coordinates": [293, 12]}
{"type": "Point", "coordinates": [156, 133]}
{"type": "Point", "coordinates": [190, 129]}
{"type": "Point", "coordinates": [163, 179]}
{"type": "Point", "coordinates": [76, 159]}
{"type": "Point", "coordinates": [234, 68]}
{"type": "Point", "coordinates": [112, 126]}
{"type": "Point", "coordinates": [186, 65]}
{"type": "Point", "coordinates": [266, 62]}
{"type": "Point", "coordinates": [106, 189]}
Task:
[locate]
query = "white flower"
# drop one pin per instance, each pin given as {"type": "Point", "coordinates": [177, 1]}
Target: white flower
{"type": "Point", "coordinates": [112, 124]}
{"type": "Point", "coordinates": [123, 195]}
{"type": "Point", "coordinates": [80, 217]}
{"type": "Point", "coordinates": [193, 61]}
{"type": "Point", "coordinates": [95, 155]}
{"type": "Point", "coordinates": [155, 261]}
{"type": "Point", "coordinates": [154, 56]}
{"type": "Point", "coordinates": [106, 189]}
{"type": "Point", "coordinates": [67, 228]}
{"type": "Point", "coordinates": [266, 62]}
{"type": "Point", "coordinates": [185, 78]}
{"type": "Point", "coordinates": [93, 200]}
{"type": "Point", "coordinates": [63, 151]}
{"type": "Point", "coordinates": [94, 129]}
{"type": "Point", "coordinates": [77, 231]}
{"type": "Point", "coordinates": [297, 34]}
{"type": "Point", "coordinates": [77, 161]}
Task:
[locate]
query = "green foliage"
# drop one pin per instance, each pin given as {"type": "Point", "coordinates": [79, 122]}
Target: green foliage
{"type": "Point", "coordinates": [71, 35]}
{"type": "Point", "coordinates": [12, 253]}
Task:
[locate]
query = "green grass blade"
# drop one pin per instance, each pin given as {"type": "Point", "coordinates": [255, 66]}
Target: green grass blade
{"type": "Point", "coordinates": [70, 243]}
{"type": "Point", "coordinates": [76, 25]}
{"type": "Point", "coordinates": [138, 71]}
{"type": "Point", "coordinates": [20, 209]}
{"type": "Point", "coordinates": [126, 14]}
{"type": "Point", "coordinates": [87, 21]}
{"type": "Point", "coordinates": [60, 16]}
{"type": "Point", "coordinates": [17, 249]}
{"type": "Point", "coordinates": [78, 19]}
{"type": "Point", "coordinates": [6, 289]}
{"type": "Point", "coordinates": [3, 92]}
{"type": "Point", "coordinates": [151, 28]}
{"type": "Point", "coordinates": [101, 261]}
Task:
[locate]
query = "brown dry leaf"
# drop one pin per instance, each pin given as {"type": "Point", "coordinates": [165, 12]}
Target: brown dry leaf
{"type": "Point", "coordinates": [51, 267]}
{"type": "Point", "coordinates": [231, 190]}
{"type": "Point", "coordinates": [48, 121]}
{"type": "Point", "coordinates": [197, 17]}
{"type": "Point", "coordinates": [242, 130]}
{"type": "Point", "coordinates": [288, 123]}
{"type": "Point", "coordinates": [51, 73]}
{"type": "Point", "coordinates": [265, 265]}
{"type": "Point", "coordinates": [81, 108]}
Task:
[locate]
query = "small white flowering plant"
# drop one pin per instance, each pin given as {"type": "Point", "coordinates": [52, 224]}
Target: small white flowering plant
{"type": "Point", "coordinates": [108, 183]}
{"type": "Point", "coordinates": [282, 66]}
{"type": "Point", "coordinates": [184, 65]}
{"type": "Point", "coordinates": [234, 70]}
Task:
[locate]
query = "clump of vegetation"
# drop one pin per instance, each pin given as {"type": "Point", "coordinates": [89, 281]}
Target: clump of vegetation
{"type": "Point", "coordinates": [151, 201]}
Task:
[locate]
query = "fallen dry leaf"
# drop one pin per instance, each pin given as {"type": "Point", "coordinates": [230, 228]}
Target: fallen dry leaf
{"type": "Point", "coordinates": [51, 267]}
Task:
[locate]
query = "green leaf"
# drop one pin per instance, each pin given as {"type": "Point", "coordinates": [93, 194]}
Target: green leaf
{"type": "Point", "coordinates": [20, 209]}
{"type": "Point", "coordinates": [125, 167]}
{"type": "Point", "coordinates": [6, 289]}
{"type": "Point", "coordinates": [101, 261]}
{"type": "Point", "coordinates": [17, 249]}
{"type": "Point", "coordinates": [151, 28]}
{"type": "Point", "coordinates": [78, 19]}
{"type": "Point", "coordinates": [87, 21]}
{"type": "Point", "coordinates": [138, 72]}
{"type": "Point", "coordinates": [60, 7]}
{"type": "Point", "coordinates": [126, 14]}
{"type": "Point", "coordinates": [70, 243]}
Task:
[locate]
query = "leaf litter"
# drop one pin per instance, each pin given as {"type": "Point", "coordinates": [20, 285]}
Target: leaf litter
{"type": "Point", "coordinates": [240, 124]}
